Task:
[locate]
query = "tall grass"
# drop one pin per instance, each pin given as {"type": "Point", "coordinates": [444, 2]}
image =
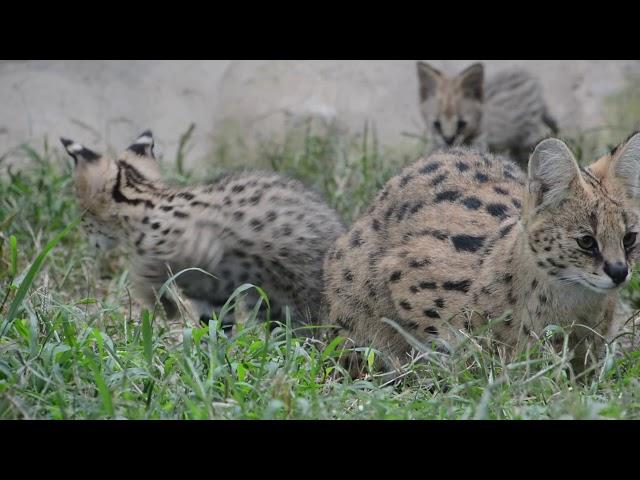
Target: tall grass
{"type": "Point", "coordinates": [75, 344]}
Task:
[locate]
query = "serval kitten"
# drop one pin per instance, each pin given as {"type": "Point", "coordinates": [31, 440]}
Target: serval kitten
{"type": "Point", "coordinates": [506, 114]}
{"type": "Point", "coordinates": [258, 228]}
{"type": "Point", "coordinates": [461, 237]}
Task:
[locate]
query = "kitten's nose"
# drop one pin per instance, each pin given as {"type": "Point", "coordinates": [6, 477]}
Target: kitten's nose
{"type": "Point", "coordinates": [449, 140]}
{"type": "Point", "coordinates": [618, 271]}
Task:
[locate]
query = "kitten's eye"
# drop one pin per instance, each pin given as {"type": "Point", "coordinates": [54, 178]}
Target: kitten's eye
{"type": "Point", "coordinates": [461, 125]}
{"type": "Point", "coordinates": [629, 239]}
{"type": "Point", "coordinates": [437, 125]}
{"type": "Point", "coordinates": [587, 242]}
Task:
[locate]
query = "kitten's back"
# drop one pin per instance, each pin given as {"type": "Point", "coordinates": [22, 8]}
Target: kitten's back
{"type": "Point", "coordinates": [515, 113]}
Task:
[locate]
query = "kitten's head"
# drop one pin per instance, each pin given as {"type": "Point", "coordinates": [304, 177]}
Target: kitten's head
{"type": "Point", "coordinates": [582, 224]}
{"type": "Point", "coordinates": [99, 182]}
{"type": "Point", "coordinates": [451, 106]}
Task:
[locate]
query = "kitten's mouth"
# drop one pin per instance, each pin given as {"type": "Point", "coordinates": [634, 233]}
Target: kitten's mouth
{"type": "Point", "coordinates": [600, 289]}
{"type": "Point", "coordinates": [592, 286]}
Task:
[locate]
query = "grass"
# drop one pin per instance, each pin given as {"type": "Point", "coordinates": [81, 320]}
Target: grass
{"type": "Point", "coordinates": [75, 345]}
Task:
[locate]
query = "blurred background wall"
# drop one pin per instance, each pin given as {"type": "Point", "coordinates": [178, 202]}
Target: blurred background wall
{"type": "Point", "coordinates": [107, 103]}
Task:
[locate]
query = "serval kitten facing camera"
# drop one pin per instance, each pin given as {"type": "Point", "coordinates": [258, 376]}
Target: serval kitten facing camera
{"type": "Point", "coordinates": [255, 228]}
{"type": "Point", "coordinates": [460, 238]}
{"type": "Point", "coordinates": [507, 113]}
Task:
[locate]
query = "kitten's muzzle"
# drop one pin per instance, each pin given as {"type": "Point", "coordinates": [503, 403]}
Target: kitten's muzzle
{"type": "Point", "coordinates": [618, 271]}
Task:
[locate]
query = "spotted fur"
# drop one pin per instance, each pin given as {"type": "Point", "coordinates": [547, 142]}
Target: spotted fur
{"type": "Point", "coordinates": [484, 242]}
{"type": "Point", "coordinates": [258, 228]}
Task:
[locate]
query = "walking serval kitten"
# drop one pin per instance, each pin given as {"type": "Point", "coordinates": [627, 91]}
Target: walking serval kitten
{"type": "Point", "coordinates": [507, 113]}
{"type": "Point", "coordinates": [258, 228]}
{"type": "Point", "coordinates": [460, 238]}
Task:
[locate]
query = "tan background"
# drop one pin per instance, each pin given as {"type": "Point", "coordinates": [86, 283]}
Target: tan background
{"type": "Point", "coordinates": [103, 103]}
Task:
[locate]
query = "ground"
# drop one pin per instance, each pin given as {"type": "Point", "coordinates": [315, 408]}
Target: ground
{"type": "Point", "coordinates": [75, 345]}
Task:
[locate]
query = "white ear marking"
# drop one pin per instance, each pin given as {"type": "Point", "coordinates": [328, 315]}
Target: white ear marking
{"type": "Point", "coordinates": [143, 145]}
{"type": "Point", "coordinates": [78, 151]}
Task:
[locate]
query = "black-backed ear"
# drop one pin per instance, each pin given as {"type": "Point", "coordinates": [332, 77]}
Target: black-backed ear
{"type": "Point", "coordinates": [552, 171]}
{"type": "Point", "coordinates": [143, 145]}
{"type": "Point", "coordinates": [472, 81]}
{"type": "Point", "coordinates": [79, 152]}
{"type": "Point", "coordinates": [428, 78]}
{"type": "Point", "coordinates": [626, 165]}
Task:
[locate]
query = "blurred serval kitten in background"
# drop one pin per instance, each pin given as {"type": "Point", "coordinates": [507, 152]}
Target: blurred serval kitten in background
{"type": "Point", "coordinates": [258, 228]}
{"type": "Point", "coordinates": [504, 114]}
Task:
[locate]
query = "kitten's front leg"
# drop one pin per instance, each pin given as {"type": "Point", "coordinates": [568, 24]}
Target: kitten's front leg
{"type": "Point", "coordinates": [148, 281]}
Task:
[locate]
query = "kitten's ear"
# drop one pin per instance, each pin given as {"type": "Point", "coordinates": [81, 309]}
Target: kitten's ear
{"type": "Point", "coordinates": [626, 166]}
{"type": "Point", "coordinates": [472, 81]}
{"type": "Point", "coordinates": [78, 152]}
{"type": "Point", "coordinates": [428, 78]}
{"type": "Point", "coordinates": [552, 171]}
{"type": "Point", "coordinates": [143, 145]}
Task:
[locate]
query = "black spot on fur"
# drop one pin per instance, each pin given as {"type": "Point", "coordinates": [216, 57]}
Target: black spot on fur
{"type": "Point", "coordinates": [462, 167]}
{"type": "Point", "coordinates": [431, 330]}
{"type": "Point", "coordinates": [416, 207]}
{"type": "Point", "coordinates": [481, 177]}
{"type": "Point", "coordinates": [286, 230]}
{"type": "Point", "coordinates": [504, 231]}
{"type": "Point", "coordinates": [414, 263]}
{"type": "Point", "coordinates": [405, 305]}
{"type": "Point", "coordinates": [516, 203]}
{"type": "Point", "coordinates": [348, 276]}
{"type": "Point", "coordinates": [395, 276]}
{"type": "Point", "coordinates": [402, 210]}
{"type": "Point", "coordinates": [186, 196]}
{"type": "Point", "coordinates": [256, 224]}
{"type": "Point", "coordinates": [237, 188]}
{"type": "Point", "coordinates": [467, 243]}
{"type": "Point", "coordinates": [461, 286]}
{"type": "Point", "coordinates": [356, 240]}
{"type": "Point", "coordinates": [428, 285]}
{"type": "Point", "coordinates": [440, 303]}
{"type": "Point", "coordinates": [406, 179]}
{"type": "Point", "coordinates": [271, 216]}
{"type": "Point", "coordinates": [238, 215]}
{"type": "Point", "coordinates": [178, 214]}
{"type": "Point", "coordinates": [431, 313]}
{"type": "Point", "coordinates": [439, 179]}
{"type": "Point", "coordinates": [375, 225]}
{"type": "Point", "coordinates": [500, 191]}
{"type": "Point", "coordinates": [553, 263]}
{"type": "Point", "coordinates": [140, 239]}
{"type": "Point", "coordinates": [430, 168]}
{"type": "Point", "coordinates": [166, 208]}
{"type": "Point", "coordinates": [472, 203]}
{"type": "Point", "coordinates": [447, 196]}
{"type": "Point", "coordinates": [498, 210]}
{"type": "Point", "coordinates": [414, 289]}
{"type": "Point", "coordinates": [155, 225]}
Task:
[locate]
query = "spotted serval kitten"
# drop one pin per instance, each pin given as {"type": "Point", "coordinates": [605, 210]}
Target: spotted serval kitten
{"type": "Point", "coordinates": [258, 228]}
{"type": "Point", "coordinates": [506, 114]}
{"type": "Point", "coordinates": [460, 237]}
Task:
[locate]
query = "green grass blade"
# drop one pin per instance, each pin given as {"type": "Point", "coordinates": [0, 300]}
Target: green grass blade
{"type": "Point", "coordinates": [147, 337]}
{"type": "Point", "coordinates": [31, 275]}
